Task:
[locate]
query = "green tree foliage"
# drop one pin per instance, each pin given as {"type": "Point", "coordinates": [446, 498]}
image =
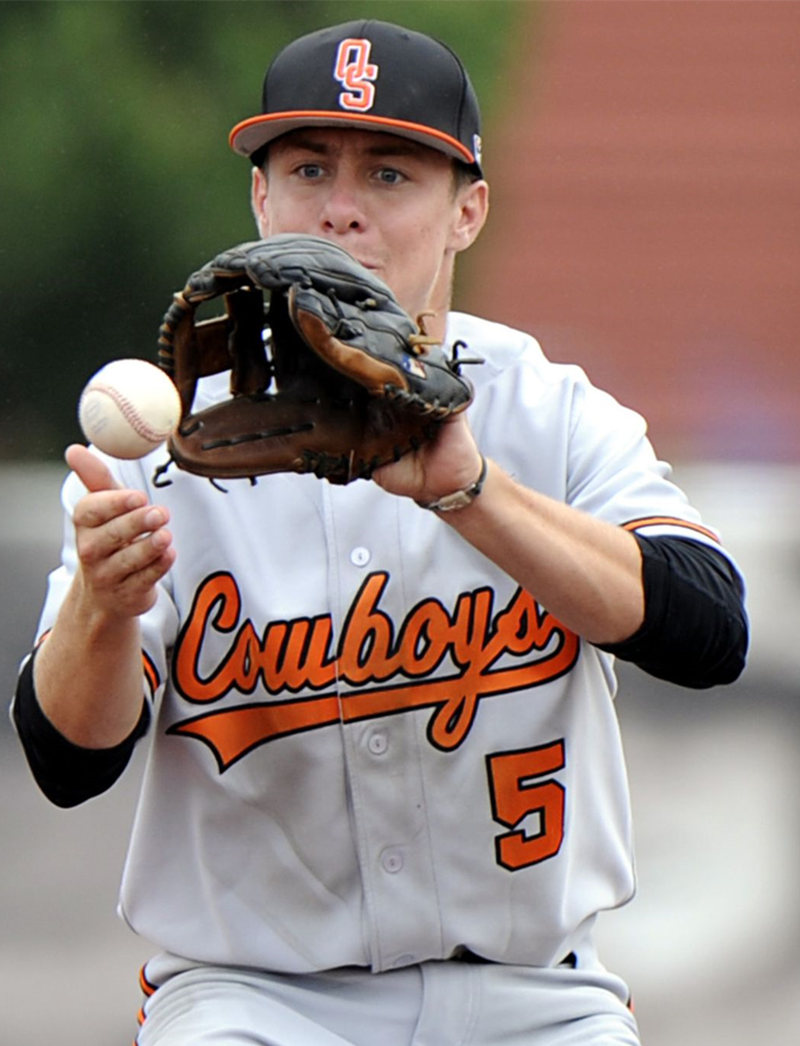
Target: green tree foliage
{"type": "Point", "coordinates": [116, 178]}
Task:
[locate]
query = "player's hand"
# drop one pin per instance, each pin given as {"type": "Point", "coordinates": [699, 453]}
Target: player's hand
{"type": "Point", "coordinates": [448, 463]}
{"type": "Point", "coordinates": [124, 547]}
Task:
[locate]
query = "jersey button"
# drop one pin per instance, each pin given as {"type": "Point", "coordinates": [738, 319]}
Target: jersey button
{"type": "Point", "coordinates": [392, 861]}
{"type": "Point", "coordinates": [360, 556]}
{"type": "Point", "coordinates": [378, 744]}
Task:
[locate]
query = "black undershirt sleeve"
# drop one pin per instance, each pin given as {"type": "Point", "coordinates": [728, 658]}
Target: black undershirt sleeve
{"type": "Point", "coordinates": [67, 773]}
{"type": "Point", "coordinates": [695, 629]}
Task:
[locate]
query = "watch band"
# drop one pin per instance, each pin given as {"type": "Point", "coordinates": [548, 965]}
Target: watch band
{"type": "Point", "coordinates": [459, 498]}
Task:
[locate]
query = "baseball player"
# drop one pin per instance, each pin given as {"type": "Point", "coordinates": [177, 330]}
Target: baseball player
{"type": "Point", "coordinates": [385, 796]}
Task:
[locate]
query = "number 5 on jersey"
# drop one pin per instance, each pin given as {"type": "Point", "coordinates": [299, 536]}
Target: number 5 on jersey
{"type": "Point", "coordinates": [519, 794]}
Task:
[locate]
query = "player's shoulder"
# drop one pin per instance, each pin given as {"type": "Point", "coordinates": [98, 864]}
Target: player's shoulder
{"type": "Point", "coordinates": [499, 345]}
{"type": "Point", "coordinates": [517, 371]}
{"type": "Point", "coordinates": [510, 356]}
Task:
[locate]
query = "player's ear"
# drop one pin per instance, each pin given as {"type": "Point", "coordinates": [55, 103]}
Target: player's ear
{"type": "Point", "coordinates": [471, 209]}
{"type": "Point", "coordinates": [258, 201]}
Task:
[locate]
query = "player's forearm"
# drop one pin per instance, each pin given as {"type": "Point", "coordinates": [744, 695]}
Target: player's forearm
{"type": "Point", "coordinates": [584, 571]}
{"type": "Point", "coordinates": [88, 674]}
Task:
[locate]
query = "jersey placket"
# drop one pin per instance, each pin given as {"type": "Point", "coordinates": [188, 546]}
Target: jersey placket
{"type": "Point", "coordinates": [383, 754]}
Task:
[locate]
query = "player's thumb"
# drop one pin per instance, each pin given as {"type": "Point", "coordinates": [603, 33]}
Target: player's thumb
{"type": "Point", "coordinates": [90, 470]}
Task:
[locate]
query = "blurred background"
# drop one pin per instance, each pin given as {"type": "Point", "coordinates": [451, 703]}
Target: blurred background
{"type": "Point", "coordinates": [644, 158]}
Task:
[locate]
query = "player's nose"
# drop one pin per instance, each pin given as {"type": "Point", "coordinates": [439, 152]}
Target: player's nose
{"type": "Point", "coordinates": [342, 210]}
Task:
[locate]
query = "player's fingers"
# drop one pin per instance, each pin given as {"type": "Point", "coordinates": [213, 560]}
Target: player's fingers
{"type": "Point", "coordinates": [102, 528]}
{"type": "Point", "coordinates": [97, 510]}
{"type": "Point", "coordinates": [90, 470]}
{"type": "Point", "coordinates": [142, 564]}
{"type": "Point", "coordinates": [141, 593]}
{"type": "Point", "coordinates": [124, 583]}
{"type": "Point", "coordinates": [442, 466]}
{"type": "Point", "coordinates": [405, 476]}
{"type": "Point", "coordinates": [122, 561]}
{"type": "Point", "coordinates": [147, 577]}
{"type": "Point", "coordinates": [106, 499]}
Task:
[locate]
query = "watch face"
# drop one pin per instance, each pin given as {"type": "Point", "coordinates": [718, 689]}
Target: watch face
{"type": "Point", "coordinates": [460, 499]}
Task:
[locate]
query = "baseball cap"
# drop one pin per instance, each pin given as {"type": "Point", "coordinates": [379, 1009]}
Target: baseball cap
{"type": "Point", "coordinates": [370, 75]}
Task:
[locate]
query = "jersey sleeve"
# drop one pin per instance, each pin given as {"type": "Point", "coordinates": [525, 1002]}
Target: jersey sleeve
{"type": "Point", "coordinates": [614, 473]}
{"type": "Point", "coordinates": [551, 428]}
{"type": "Point", "coordinates": [695, 630]}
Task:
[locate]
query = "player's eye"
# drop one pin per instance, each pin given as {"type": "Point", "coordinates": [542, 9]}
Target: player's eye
{"type": "Point", "coordinates": [390, 176]}
{"type": "Point", "coordinates": [310, 171]}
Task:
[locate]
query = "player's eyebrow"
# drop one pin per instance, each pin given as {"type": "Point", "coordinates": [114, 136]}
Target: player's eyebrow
{"type": "Point", "coordinates": [410, 149]}
{"type": "Point", "coordinates": [295, 140]}
{"type": "Point", "coordinates": [388, 147]}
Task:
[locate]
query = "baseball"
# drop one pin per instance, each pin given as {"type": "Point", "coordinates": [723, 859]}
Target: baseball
{"type": "Point", "coordinates": [128, 408]}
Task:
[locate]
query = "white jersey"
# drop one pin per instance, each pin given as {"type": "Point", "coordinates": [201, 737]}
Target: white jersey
{"type": "Point", "coordinates": [370, 747]}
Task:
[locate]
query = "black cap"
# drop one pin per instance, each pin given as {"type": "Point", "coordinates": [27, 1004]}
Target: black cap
{"type": "Point", "coordinates": [372, 76]}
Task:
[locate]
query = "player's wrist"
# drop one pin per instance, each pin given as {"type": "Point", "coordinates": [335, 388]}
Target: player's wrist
{"type": "Point", "coordinates": [461, 498]}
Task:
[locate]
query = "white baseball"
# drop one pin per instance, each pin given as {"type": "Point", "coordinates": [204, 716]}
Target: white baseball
{"type": "Point", "coordinates": [128, 408]}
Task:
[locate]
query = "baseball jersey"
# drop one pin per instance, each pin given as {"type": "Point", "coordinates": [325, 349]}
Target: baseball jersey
{"type": "Point", "coordinates": [369, 745]}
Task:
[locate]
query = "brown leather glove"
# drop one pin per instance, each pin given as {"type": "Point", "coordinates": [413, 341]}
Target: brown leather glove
{"type": "Point", "coordinates": [332, 378]}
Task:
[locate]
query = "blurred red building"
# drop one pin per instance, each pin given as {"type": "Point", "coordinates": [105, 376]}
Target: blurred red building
{"type": "Point", "coordinates": [646, 213]}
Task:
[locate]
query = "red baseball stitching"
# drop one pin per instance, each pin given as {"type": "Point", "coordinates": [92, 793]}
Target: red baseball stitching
{"type": "Point", "coordinates": [131, 414]}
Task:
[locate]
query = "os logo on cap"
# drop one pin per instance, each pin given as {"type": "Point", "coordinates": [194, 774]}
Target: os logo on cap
{"type": "Point", "coordinates": [356, 74]}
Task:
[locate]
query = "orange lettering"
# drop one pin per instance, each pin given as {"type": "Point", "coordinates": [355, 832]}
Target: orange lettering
{"type": "Point", "coordinates": [219, 591]}
{"type": "Point", "coordinates": [367, 637]}
{"type": "Point", "coordinates": [291, 656]}
{"type": "Point", "coordinates": [424, 639]}
{"type": "Point", "coordinates": [521, 646]}
{"type": "Point", "coordinates": [295, 656]}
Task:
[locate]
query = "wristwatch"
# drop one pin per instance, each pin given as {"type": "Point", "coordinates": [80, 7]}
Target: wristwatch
{"type": "Point", "coordinates": [459, 498]}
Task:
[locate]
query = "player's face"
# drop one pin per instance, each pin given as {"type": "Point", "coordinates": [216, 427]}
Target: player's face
{"type": "Point", "coordinates": [390, 202]}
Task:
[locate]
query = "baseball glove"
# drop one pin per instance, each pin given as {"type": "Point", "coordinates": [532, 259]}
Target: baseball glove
{"type": "Point", "coordinates": [332, 378]}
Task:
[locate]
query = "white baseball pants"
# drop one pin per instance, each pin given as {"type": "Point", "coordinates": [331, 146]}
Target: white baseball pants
{"type": "Point", "coordinates": [435, 1004]}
